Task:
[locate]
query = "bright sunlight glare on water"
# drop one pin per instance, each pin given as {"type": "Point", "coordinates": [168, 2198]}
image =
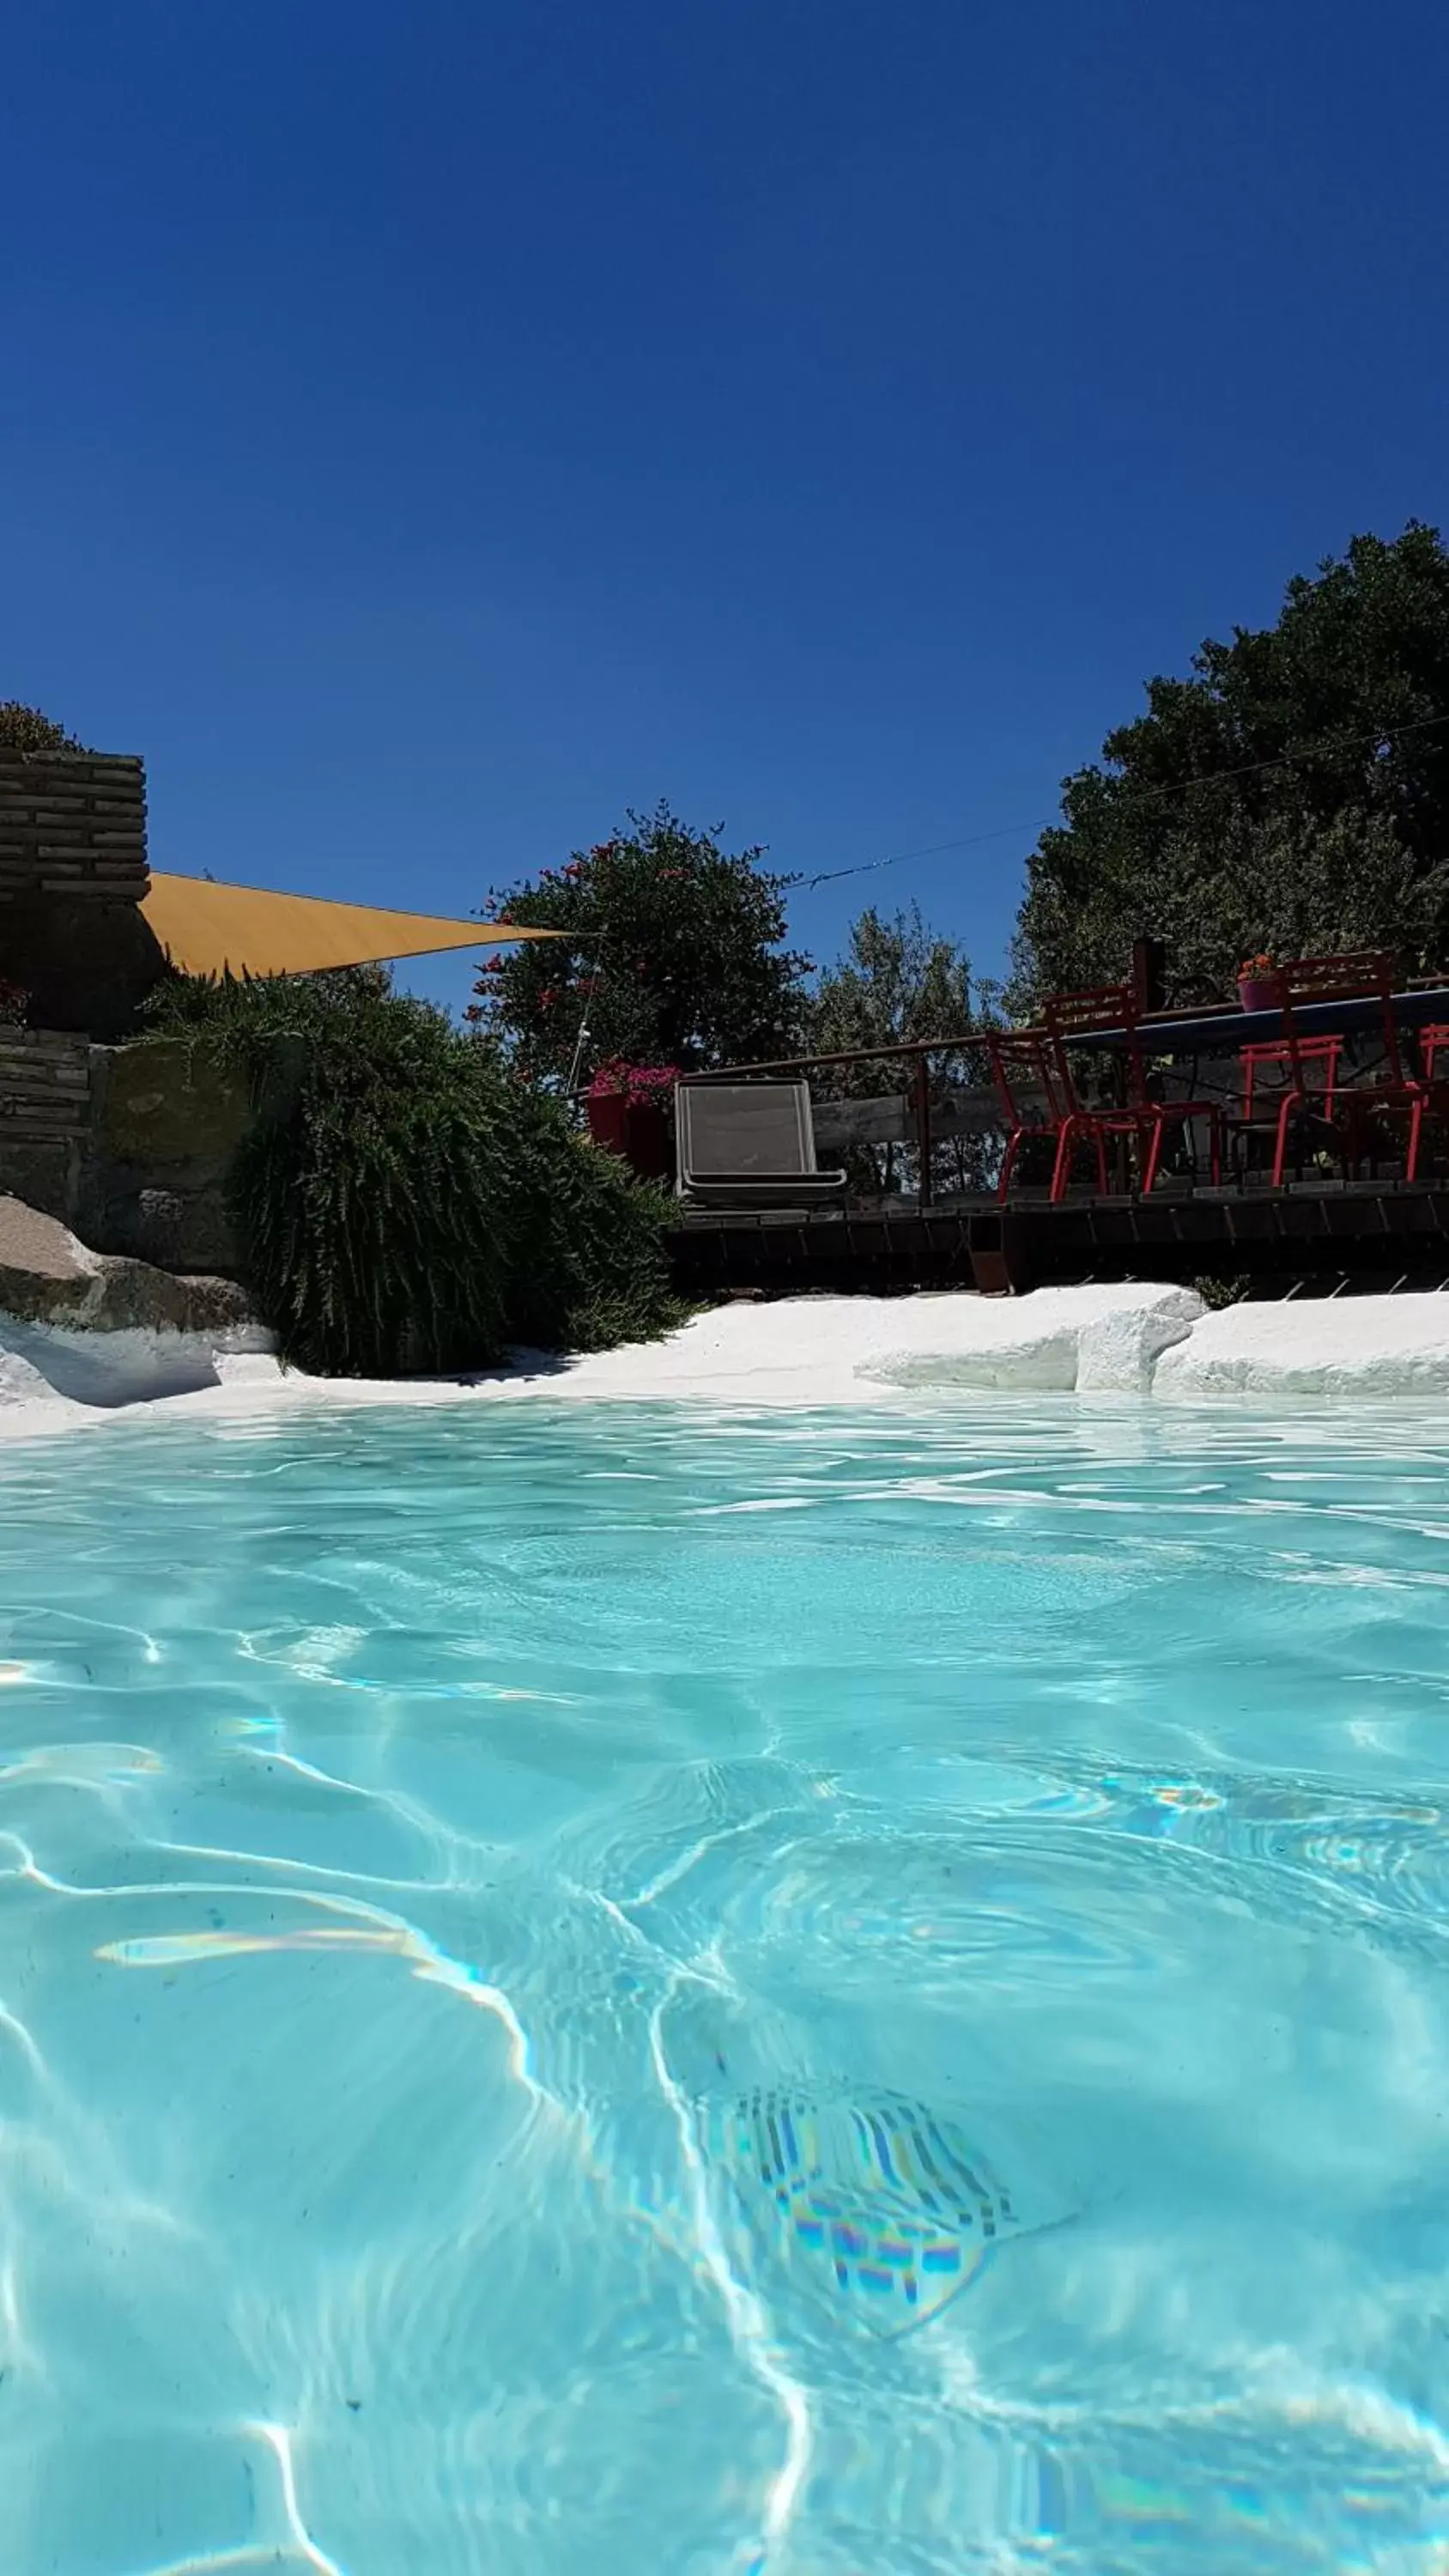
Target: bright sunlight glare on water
{"type": "Point", "coordinates": [587, 1990]}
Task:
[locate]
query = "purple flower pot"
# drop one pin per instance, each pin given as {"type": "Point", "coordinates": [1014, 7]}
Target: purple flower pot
{"type": "Point", "coordinates": [1258, 992]}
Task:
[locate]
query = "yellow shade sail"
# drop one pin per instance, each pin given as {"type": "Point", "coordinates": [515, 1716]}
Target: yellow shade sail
{"type": "Point", "coordinates": [209, 929]}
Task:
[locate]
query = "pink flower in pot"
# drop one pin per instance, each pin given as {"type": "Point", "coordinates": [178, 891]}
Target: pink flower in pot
{"type": "Point", "coordinates": [644, 1084]}
{"type": "Point", "coordinates": [1258, 982]}
{"type": "Point", "coordinates": [627, 1107]}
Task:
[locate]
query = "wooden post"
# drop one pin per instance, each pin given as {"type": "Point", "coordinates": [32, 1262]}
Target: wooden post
{"type": "Point", "coordinates": [921, 1087]}
{"type": "Point", "coordinates": [1149, 973]}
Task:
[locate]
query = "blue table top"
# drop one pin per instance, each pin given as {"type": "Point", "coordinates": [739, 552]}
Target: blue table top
{"type": "Point", "coordinates": [1223, 1032]}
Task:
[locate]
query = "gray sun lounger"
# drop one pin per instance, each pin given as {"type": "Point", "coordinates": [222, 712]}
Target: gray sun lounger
{"type": "Point", "coordinates": [749, 1145]}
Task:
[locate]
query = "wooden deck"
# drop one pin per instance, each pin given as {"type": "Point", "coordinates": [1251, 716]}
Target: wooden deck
{"type": "Point", "coordinates": [919, 1116]}
{"type": "Point", "coordinates": [1371, 1235]}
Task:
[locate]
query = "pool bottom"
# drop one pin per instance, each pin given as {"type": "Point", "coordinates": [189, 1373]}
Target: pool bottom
{"type": "Point", "coordinates": [426, 1840]}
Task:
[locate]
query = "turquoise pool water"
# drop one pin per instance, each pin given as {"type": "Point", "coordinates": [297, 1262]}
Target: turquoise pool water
{"type": "Point", "coordinates": [603, 1990]}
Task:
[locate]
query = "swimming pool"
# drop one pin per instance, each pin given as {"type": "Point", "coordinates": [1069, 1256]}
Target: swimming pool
{"type": "Point", "coordinates": [598, 1989]}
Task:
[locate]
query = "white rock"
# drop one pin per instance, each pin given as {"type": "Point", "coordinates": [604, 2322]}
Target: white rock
{"type": "Point", "coordinates": [1059, 1341]}
{"type": "Point", "coordinates": [133, 1365]}
{"type": "Point", "coordinates": [846, 1351]}
{"type": "Point", "coordinates": [1120, 1352]}
{"type": "Point", "coordinates": [1364, 1348]}
{"type": "Point", "coordinates": [21, 1382]}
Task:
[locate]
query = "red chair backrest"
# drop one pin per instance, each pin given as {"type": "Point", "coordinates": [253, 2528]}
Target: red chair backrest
{"type": "Point", "coordinates": [1356, 974]}
{"type": "Point", "coordinates": [1023, 1060]}
{"type": "Point", "coordinates": [1276, 1055]}
{"type": "Point", "coordinates": [1103, 1006]}
{"type": "Point", "coordinates": [1433, 1042]}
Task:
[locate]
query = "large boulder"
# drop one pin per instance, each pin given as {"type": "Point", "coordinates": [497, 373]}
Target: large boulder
{"type": "Point", "coordinates": [102, 1329]}
{"type": "Point", "coordinates": [48, 1277]}
{"type": "Point", "coordinates": [166, 1124]}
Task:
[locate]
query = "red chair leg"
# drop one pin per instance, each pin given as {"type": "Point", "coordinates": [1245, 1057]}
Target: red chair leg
{"type": "Point", "coordinates": [1009, 1162]}
{"type": "Point", "coordinates": [1104, 1181]}
{"type": "Point", "coordinates": [1416, 1126]}
{"type": "Point", "coordinates": [1154, 1157]}
{"type": "Point", "coordinates": [1062, 1167]}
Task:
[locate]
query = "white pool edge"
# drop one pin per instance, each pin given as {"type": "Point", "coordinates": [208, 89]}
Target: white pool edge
{"type": "Point", "coordinates": [1157, 1342]}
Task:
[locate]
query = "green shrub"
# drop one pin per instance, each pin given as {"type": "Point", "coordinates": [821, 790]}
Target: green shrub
{"type": "Point", "coordinates": [415, 1208]}
{"type": "Point", "coordinates": [25, 729]}
{"type": "Point", "coordinates": [1218, 1291]}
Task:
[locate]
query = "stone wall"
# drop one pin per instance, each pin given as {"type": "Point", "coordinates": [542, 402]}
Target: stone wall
{"type": "Point", "coordinates": [73, 876]}
{"type": "Point", "coordinates": [45, 1110]}
{"type": "Point", "coordinates": [132, 1146]}
{"type": "Point", "coordinates": [73, 823]}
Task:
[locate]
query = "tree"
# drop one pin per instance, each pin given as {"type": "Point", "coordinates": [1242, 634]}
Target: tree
{"type": "Point", "coordinates": [1291, 795]}
{"type": "Point", "coordinates": [26, 729]}
{"type": "Point", "coordinates": [671, 954]}
{"type": "Point", "coordinates": [898, 980]}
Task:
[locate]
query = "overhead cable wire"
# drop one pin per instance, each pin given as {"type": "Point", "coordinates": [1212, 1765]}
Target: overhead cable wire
{"type": "Point", "coordinates": [1148, 795]}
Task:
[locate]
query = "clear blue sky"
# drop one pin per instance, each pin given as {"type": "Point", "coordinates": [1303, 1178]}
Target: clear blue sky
{"type": "Point", "coordinates": [430, 428]}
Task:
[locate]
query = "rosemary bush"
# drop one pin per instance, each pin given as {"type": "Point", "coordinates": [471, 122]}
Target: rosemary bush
{"type": "Point", "coordinates": [416, 1208]}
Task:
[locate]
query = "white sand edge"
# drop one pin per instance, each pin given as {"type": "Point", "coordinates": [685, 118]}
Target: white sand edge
{"type": "Point", "coordinates": [1131, 1340]}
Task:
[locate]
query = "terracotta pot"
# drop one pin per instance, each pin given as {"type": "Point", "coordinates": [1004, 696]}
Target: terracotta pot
{"type": "Point", "coordinates": [647, 1146]}
{"type": "Point", "coordinates": [608, 1119]}
{"type": "Point", "coordinates": [636, 1130]}
{"type": "Point", "coordinates": [1258, 992]}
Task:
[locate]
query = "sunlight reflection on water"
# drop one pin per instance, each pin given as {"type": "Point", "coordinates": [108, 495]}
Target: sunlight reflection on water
{"type": "Point", "coordinates": [953, 1908]}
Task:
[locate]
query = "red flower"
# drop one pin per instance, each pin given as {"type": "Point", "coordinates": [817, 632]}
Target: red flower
{"type": "Point", "coordinates": [639, 1082]}
{"type": "Point", "coordinates": [575, 868]}
{"type": "Point", "coordinates": [493, 965]}
{"type": "Point", "coordinates": [474, 1011]}
{"type": "Point", "coordinates": [547, 997]}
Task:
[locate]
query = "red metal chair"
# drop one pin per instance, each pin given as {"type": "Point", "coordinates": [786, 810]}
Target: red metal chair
{"type": "Point", "coordinates": [1029, 1086]}
{"type": "Point", "coordinates": [1142, 1117]}
{"type": "Point", "coordinates": [1273, 1056]}
{"type": "Point", "coordinates": [1433, 1043]}
{"type": "Point", "coordinates": [1359, 974]}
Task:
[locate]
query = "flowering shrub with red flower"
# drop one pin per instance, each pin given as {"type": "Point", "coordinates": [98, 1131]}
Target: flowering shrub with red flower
{"type": "Point", "coordinates": [642, 1085]}
{"type": "Point", "coordinates": [668, 951]}
{"type": "Point", "coordinates": [14, 1003]}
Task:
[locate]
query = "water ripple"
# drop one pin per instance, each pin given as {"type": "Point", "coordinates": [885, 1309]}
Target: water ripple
{"type": "Point", "coordinates": [1075, 1772]}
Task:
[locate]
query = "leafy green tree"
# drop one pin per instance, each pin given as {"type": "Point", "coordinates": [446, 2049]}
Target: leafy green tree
{"type": "Point", "coordinates": [898, 980]}
{"type": "Point", "coordinates": [672, 953]}
{"type": "Point", "coordinates": [1291, 795]}
{"type": "Point", "coordinates": [26, 729]}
